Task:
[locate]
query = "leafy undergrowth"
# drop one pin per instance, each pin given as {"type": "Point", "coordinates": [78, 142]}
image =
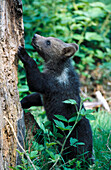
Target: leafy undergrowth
{"type": "Point", "coordinates": [42, 148]}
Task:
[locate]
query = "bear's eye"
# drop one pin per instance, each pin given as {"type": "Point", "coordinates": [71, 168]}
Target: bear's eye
{"type": "Point", "coordinates": [48, 42]}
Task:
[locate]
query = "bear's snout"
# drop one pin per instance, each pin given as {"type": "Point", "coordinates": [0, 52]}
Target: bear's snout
{"type": "Point", "coordinates": [37, 36]}
{"type": "Point", "coordinates": [34, 42]}
{"type": "Point", "coordinates": [34, 36]}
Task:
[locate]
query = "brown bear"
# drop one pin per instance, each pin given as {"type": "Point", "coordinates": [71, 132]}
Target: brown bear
{"type": "Point", "coordinates": [57, 83]}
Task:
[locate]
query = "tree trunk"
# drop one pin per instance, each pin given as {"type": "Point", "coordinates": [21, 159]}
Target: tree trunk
{"type": "Point", "coordinates": [11, 36]}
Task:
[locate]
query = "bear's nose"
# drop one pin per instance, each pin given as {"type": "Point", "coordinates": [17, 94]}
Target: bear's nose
{"type": "Point", "coordinates": [35, 36]}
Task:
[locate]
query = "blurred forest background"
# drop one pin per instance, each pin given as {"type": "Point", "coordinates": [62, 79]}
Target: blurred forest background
{"type": "Point", "coordinates": [87, 23]}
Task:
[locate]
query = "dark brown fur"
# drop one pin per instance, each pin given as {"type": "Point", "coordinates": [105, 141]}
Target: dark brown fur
{"type": "Point", "coordinates": [57, 83]}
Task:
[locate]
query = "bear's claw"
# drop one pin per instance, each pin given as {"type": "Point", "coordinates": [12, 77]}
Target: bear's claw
{"type": "Point", "coordinates": [22, 54]}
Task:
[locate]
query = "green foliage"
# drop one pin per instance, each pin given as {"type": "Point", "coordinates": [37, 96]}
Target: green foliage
{"type": "Point", "coordinates": [46, 155]}
{"type": "Point", "coordinates": [70, 101]}
{"type": "Point", "coordinates": [87, 24]}
{"type": "Point", "coordinates": [105, 70]}
{"type": "Point", "coordinates": [74, 142]}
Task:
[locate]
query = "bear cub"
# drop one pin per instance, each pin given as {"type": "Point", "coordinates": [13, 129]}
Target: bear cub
{"type": "Point", "coordinates": [57, 83]}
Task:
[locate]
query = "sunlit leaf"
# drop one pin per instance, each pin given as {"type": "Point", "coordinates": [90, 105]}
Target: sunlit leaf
{"type": "Point", "coordinates": [70, 101]}
{"type": "Point", "coordinates": [90, 117]}
{"type": "Point", "coordinates": [73, 119]}
{"type": "Point", "coordinates": [60, 117]}
{"type": "Point", "coordinates": [73, 141]}
{"type": "Point", "coordinates": [33, 154]}
{"type": "Point", "coordinates": [97, 4]}
{"type": "Point", "coordinates": [51, 154]}
{"type": "Point", "coordinates": [108, 8]}
{"type": "Point", "coordinates": [50, 144]}
{"type": "Point", "coordinates": [59, 124]}
{"type": "Point", "coordinates": [80, 143]}
{"type": "Point", "coordinates": [93, 36]}
{"type": "Point", "coordinates": [24, 88]}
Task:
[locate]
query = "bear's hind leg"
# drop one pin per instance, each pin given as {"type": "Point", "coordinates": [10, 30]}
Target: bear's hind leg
{"type": "Point", "coordinates": [31, 100]}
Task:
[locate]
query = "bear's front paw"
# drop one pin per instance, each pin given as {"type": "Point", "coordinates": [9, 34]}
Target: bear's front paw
{"type": "Point", "coordinates": [21, 51]}
{"type": "Point", "coordinates": [22, 54]}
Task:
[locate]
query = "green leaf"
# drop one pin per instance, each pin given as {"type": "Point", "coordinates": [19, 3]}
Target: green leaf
{"type": "Point", "coordinates": [37, 146]}
{"type": "Point", "coordinates": [96, 12]}
{"type": "Point", "coordinates": [90, 117]}
{"type": "Point", "coordinates": [81, 18]}
{"type": "Point", "coordinates": [59, 124]}
{"type": "Point", "coordinates": [51, 154]}
{"type": "Point", "coordinates": [59, 135]}
{"type": "Point", "coordinates": [50, 144]}
{"type": "Point", "coordinates": [70, 101]}
{"type": "Point", "coordinates": [13, 168]}
{"type": "Point", "coordinates": [33, 154]}
{"type": "Point", "coordinates": [88, 60]}
{"type": "Point", "coordinates": [20, 153]}
{"type": "Point", "coordinates": [93, 36]}
{"type": "Point", "coordinates": [67, 168]}
{"type": "Point", "coordinates": [97, 4]}
{"type": "Point", "coordinates": [83, 112]}
{"type": "Point", "coordinates": [81, 13]}
{"type": "Point", "coordinates": [78, 37]}
{"type": "Point", "coordinates": [41, 125]}
{"type": "Point", "coordinates": [80, 143]}
{"type": "Point", "coordinates": [73, 119]}
{"type": "Point", "coordinates": [85, 99]}
{"type": "Point", "coordinates": [71, 162]}
{"type": "Point", "coordinates": [73, 141]}
{"type": "Point", "coordinates": [24, 88]}
{"type": "Point", "coordinates": [68, 127]}
{"type": "Point", "coordinates": [22, 76]}
{"type": "Point", "coordinates": [47, 123]}
{"type": "Point", "coordinates": [29, 47]}
{"type": "Point", "coordinates": [60, 117]}
{"type": "Point", "coordinates": [18, 167]}
{"type": "Point", "coordinates": [108, 8]}
{"type": "Point", "coordinates": [57, 156]}
{"type": "Point", "coordinates": [99, 54]}
{"type": "Point", "coordinates": [28, 25]}
{"type": "Point", "coordinates": [89, 111]}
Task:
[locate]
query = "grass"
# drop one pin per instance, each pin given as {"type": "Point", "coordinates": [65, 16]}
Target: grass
{"type": "Point", "coordinates": [101, 127]}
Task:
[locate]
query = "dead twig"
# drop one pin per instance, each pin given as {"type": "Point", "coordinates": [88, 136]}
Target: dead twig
{"type": "Point", "coordinates": [102, 100]}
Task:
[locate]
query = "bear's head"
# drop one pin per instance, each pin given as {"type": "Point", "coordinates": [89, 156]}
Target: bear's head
{"type": "Point", "coordinates": [50, 48]}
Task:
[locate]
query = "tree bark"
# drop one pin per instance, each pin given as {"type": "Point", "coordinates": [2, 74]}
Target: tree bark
{"type": "Point", "coordinates": [11, 36]}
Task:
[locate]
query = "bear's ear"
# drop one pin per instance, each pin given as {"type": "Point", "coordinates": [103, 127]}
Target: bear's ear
{"type": "Point", "coordinates": [70, 50]}
{"type": "Point", "coordinates": [75, 46]}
